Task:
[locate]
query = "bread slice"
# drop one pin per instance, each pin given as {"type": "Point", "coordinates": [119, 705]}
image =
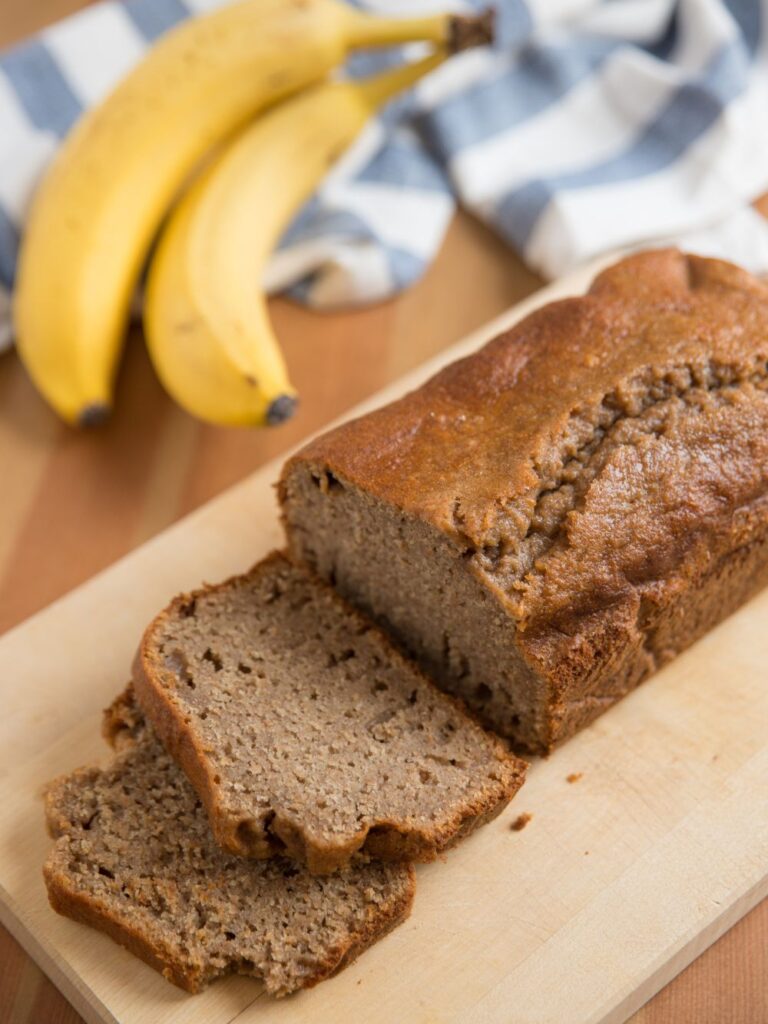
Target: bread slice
{"type": "Point", "coordinates": [135, 858]}
{"type": "Point", "coordinates": [305, 733]}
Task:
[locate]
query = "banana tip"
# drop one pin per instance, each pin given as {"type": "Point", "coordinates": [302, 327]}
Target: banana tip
{"type": "Point", "coordinates": [94, 415]}
{"type": "Point", "coordinates": [281, 409]}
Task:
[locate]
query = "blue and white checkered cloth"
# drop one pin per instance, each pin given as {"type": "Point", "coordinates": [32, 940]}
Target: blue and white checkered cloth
{"type": "Point", "coordinates": [592, 124]}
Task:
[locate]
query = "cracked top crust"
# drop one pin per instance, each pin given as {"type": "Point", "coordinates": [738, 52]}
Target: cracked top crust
{"type": "Point", "coordinates": [591, 452]}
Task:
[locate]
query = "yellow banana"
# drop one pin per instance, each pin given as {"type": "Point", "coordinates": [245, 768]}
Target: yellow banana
{"type": "Point", "coordinates": [205, 315]}
{"type": "Point", "coordinates": [100, 204]}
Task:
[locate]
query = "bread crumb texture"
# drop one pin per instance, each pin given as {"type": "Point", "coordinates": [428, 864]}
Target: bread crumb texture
{"type": "Point", "coordinates": [134, 857]}
{"type": "Point", "coordinates": [306, 733]}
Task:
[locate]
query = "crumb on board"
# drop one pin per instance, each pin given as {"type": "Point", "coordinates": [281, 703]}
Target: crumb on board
{"type": "Point", "coordinates": [574, 776]}
{"type": "Point", "coordinates": [521, 821]}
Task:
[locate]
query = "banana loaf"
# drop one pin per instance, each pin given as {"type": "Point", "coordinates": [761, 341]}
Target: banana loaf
{"type": "Point", "coordinates": [545, 523]}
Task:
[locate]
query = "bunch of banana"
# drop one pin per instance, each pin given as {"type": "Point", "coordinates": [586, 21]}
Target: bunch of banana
{"type": "Point", "coordinates": [101, 204]}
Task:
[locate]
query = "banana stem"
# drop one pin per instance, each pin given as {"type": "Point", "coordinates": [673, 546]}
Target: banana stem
{"type": "Point", "coordinates": [453, 31]}
{"type": "Point", "coordinates": [376, 90]}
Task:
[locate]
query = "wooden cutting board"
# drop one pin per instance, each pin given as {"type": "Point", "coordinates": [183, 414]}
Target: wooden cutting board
{"type": "Point", "coordinates": [622, 876]}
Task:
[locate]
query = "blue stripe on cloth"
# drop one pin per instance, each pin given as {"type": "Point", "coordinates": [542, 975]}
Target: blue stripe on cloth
{"type": "Point", "coordinates": [9, 247]}
{"type": "Point", "coordinates": [540, 78]}
{"type": "Point", "coordinates": [405, 267]}
{"type": "Point", "coordinates": [693, 109]}
{"type": "Point", "coordinates": [302, 290]}
{"type": "Point", "coordinates": [315, 220]}
{"type": "Point", "coordinates": [665, 44]}
{"type": "Point", "coordinates": [41, 88]}
{"type": "Point", "coordinates": [399, 164]}
{"type": "Point", "coordinates": [153, 17]}
{"type": "Point", "coordinates": [318, 222]}
{"type": "Point", "coordinates": [746, 14]}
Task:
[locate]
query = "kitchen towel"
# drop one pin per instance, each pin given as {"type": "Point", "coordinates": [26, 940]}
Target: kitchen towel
{"type": "Point", "coordinates": [589, 126]}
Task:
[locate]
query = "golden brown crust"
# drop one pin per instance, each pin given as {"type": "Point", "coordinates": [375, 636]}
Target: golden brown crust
{"type": "Point", "coordinates": [78, 906]}
{"type": "Point", "coordinates": [661, 309]}
{"type": "Point", "coordinates": [157, 706]}
{"type": "Point", "coordinates": [66, 899]}
{"type": "Point", "coordinates": [477, 452]}
{"type": "Point", "coordinates": [122, 721]}
{"type": "Point", "coordinates": [395, 841]}
{"type": "Point", "coordinates": [713, 586]}
{"type": "Point", "coordinates": [397, 910]}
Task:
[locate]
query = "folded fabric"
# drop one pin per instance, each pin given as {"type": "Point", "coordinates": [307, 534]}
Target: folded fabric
{"type": "Point", "coordinates": [590, 125]}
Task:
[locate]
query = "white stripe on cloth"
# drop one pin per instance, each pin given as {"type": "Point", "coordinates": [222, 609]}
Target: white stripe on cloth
{"type": "Point", "coordinates": [20, 175]}
{"type": "Point", "coordinates": [703, 23]}
{"type": "Point", "coordinates": [639, 20]}
{"type": "Point", "coordinates": [596, 118]}
{"type": "Point", "coordinates": [201, 6]}
{"type": "Point", "coordinates": [403, 219]}
{"type": "Point", "coordinates": [707, 186]}
{"type": "Point", "coordinates": [695, 190]}
{"type": "Point", "coordinates": [744, 231]}
{"type": "Point", "coordinates": [366, 263]}
{"type": "Point", "coordinates": [558, 12]}
{"type": "Point", "coordinates": [463, 71]}
{"type": "Point", "coordinates": [14, 124]}
{"type": "Point", "coordinates": [95, 49]}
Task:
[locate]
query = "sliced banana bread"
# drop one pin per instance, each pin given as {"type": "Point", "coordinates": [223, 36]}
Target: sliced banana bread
{"type": "Point", "coordinates": [305, 733]}
{"type": "Point", "coordinates": [548, 521]}
{"type": "Point", "coordinates": [134, 857]}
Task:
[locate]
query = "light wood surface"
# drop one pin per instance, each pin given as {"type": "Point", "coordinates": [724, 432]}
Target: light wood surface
{"type": "Point", "coordinates": [70, 504]}
{"type": "Point", "coordinates": [617, 882]}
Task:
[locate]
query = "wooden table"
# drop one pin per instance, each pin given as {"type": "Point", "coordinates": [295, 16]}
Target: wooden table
{"type": "Point", "coordinates": [72, 503]}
